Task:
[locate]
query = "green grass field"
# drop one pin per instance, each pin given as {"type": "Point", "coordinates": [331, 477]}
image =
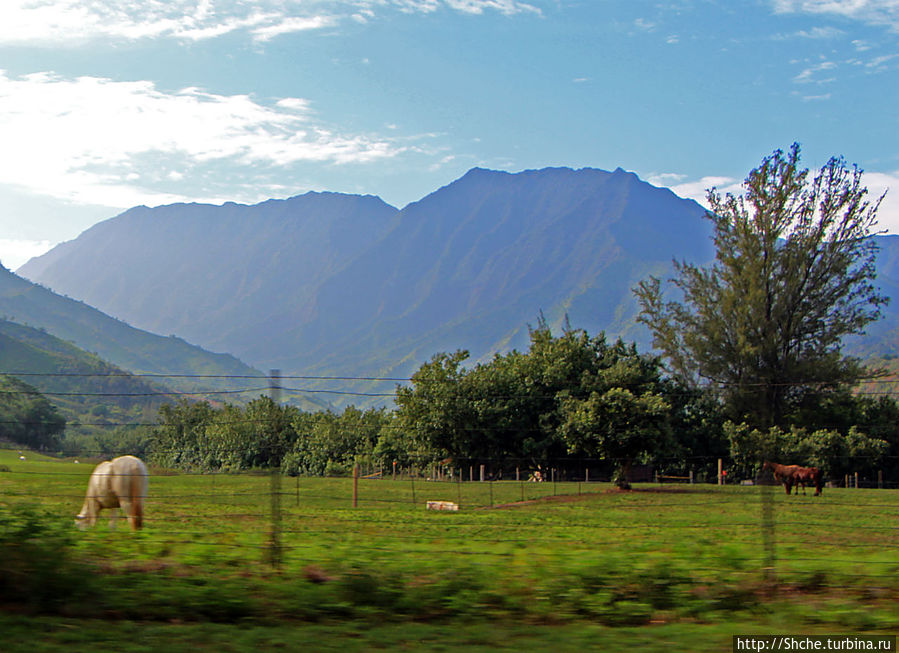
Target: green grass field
{"type": "Point", "coordinates": [566, 565]}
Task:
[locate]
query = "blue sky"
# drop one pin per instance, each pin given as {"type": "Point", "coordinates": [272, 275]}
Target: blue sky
{"type": "Point", "coordinates": [107, 105]}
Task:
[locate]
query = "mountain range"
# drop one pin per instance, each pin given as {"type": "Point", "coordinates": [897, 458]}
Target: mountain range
{"type": "Point", "coordinates": [334, 285]}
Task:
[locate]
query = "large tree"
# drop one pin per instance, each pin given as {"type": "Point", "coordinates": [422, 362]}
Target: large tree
{"type": "Point", "coordinates": [793, 275]}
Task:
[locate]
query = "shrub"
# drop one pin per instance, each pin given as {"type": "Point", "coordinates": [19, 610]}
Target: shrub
{"type": "Point", "coordinates": [38, 572]}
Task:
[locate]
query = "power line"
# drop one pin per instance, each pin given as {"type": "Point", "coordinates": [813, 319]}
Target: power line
{"type": "Point", "coordinates": [207, 376]}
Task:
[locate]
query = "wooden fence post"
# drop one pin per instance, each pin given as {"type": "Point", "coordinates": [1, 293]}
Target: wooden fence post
{"type": "Point", "coordinates": [274, 548]}
{"type": "Point", "coordinates": [880, 479]}
{"type": "Point", "coordinates": [355, 485]}
{"type": "Point", "coordinates": [483, 473]}
{"type": "Point", "coordinates": [720, 474]}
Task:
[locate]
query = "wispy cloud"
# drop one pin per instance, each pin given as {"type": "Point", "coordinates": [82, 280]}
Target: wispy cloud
{"type": "Point", "coordinates": [291, 24]}
{"type": "Point", "coordinates": [808, 75]}
{"type": "Point", "coordinates": [60, 23]}
{"type": "Point", "coordinates": [877, 63]}
{"type": "Point", "coordinates": [94, 140]}
{"type": "Point", "coordinates": [874, 12]}
{"type": "Point", "coordinates": [507, 7]}
{"type": "Point", "coordinates": [818, 33]}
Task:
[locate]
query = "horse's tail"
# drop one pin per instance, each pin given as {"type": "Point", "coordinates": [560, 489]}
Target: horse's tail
{"type": "Point", "coordinates": [137, 501]}
{"type": "Point", "coordinates": [819, 481]}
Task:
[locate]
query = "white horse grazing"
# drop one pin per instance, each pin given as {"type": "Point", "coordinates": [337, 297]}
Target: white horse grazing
{"type": "Point", "coordinates": [119, 483]}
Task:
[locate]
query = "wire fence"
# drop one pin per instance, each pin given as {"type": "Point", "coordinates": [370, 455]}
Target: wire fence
{"type": "Point", "coordinates": [507, 509]}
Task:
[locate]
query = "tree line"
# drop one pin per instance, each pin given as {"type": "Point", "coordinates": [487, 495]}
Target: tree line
{"type": "Point", "coordinates": [571, 397]}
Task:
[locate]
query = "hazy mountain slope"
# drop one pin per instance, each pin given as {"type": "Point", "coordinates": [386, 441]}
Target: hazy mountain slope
{"type": "Point", "coordinates": [882, 337]}
{"type": "Point", "coordinates": [214, 274]}
{"type": "Point", "coordinates": [346, 285]}
{"type": "Point", "coordinates": [473, 263]}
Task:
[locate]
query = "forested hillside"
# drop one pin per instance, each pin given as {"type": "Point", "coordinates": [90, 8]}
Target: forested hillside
{"type": "Point", "coordinates": [187, 368]}
{"type": "Point", "coordinates": [97, 400]}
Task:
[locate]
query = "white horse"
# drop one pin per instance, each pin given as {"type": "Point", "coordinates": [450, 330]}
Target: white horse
{"type": "Point", "coordinates": [119, 483]}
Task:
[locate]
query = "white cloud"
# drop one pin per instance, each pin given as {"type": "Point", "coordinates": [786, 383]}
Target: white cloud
{"type": "Point", "coordinates": [696, 189]}
{"type": "Point", "coordinates": [813, 33]}
{"type": "Point", "coordinates": [507, 7]}
{"type": "Point", "coordinates": [808, 75]}
{"type": "Point", "coordinates": [93, 140]}
{"type": "Point", "coordinates": [885, 182]}
{"type": "Point", "coordinates": [442, 162]}
{"type": "Point", "coordinates": [877, 184]}
{"type": "Point", "coordinates": [874, 12]}
{"type": "Point", "coordinates": [664, 178]}
{"type": "Point", "coordinates": [291, 24]}
{"type": "Point", "coordinates": [63, 23]}
{"type": "Point", "coordinates": [877, 62]}
{"type": "Point", "coordinates": [15, 253]}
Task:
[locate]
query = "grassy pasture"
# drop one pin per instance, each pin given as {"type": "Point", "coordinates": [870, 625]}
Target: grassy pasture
{"type": "Point", "coordinates": [518, 557]}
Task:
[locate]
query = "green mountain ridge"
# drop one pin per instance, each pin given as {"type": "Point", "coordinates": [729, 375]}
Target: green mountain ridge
{"type": "Point", "coordinates": [45, 332]}
{"type": "Point", "coordinates": [93, 396]}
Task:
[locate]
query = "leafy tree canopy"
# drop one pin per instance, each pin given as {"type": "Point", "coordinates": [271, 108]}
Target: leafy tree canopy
{"type": "Point", "coordinates": [794, 273]}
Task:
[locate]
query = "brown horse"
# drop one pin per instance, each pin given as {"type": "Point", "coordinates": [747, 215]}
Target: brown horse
{"type": "Point", "coordinates": [785, 474]}
{"type": "Point", "coordinates": [791, 475]}
{"type": "Point", "coordinates": [807, 476]}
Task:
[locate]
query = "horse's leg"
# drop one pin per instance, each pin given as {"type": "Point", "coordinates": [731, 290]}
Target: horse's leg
{"type": "Point", "coordinates": [127, 508]}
